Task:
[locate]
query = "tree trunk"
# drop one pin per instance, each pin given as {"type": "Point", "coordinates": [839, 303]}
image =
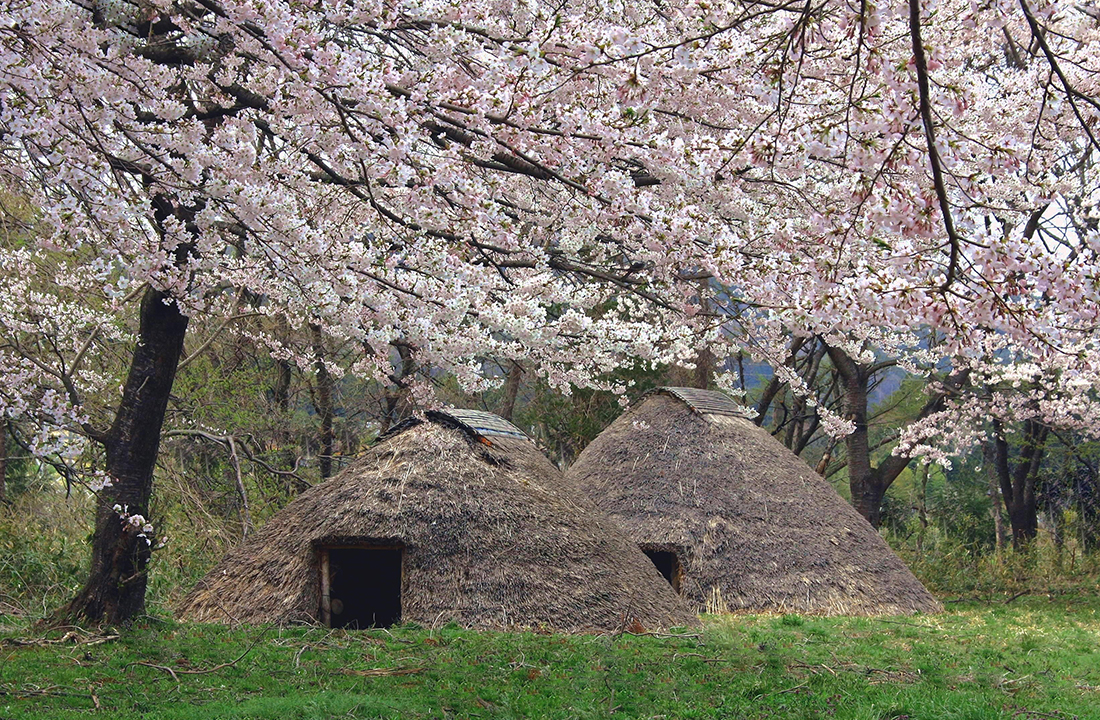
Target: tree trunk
{"type": "Point", "coordinates": [922, 508]}
{"type": "Point", "coordinates": [1090, 522]}
{"type": "Point", "coordinates": [1023, 518]}
{"type": "Point", "coordinates": [1018, 483]}
{"type": "Point", "coordinates": [511, 390]}
{"type": "Point", "coordinates": [3, 460]}
{"type": "Point", "coordinates": [869, 484]}
{"type": "Point", "coordinates": [774, 385]}
{"type": "Point", "coordinates": [281, 391]}
{"type": "Point", "coordinates": [1088, 505]}
{"type": "Point", "coordinates": [989, 459]}
{"type": "Point", "coordinates": [697, 377]}
{"type": "Point", "coordinates": [114, 592]}
{"type": "Point", "coordinates": [864, 481]}
{"type": "Point", "coordinates": [323, 404]}
{"type": "Point", "coordinates": [396, 406]}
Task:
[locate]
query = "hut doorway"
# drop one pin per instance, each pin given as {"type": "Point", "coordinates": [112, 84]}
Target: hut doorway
{"type": "Point", "coordinates": [667, 563]}
{"type": "Point", "coordinates": [361, 586]}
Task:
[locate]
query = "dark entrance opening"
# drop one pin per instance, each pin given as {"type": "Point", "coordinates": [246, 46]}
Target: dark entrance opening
{"type": "Point", "coordinates": [361, 586]}
{"type": "Point", "coordinates": [667, 564]}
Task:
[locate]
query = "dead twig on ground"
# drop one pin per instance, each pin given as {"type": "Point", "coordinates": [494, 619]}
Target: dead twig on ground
{"type": "Point", "coordinates": [73, 636]}
{"type": "Point", "coordinates": [28, 691]}
{"type": "Point", "coordinates": [902, 622]}
{"type": "Point", "coordinates": [383, 672]}
{"type": "Point", "coordinates": [206, 671]}
{"type": "Point", "coordinates": [1056, 715]}
{"type": "Point", "coordinates": [663, 635]}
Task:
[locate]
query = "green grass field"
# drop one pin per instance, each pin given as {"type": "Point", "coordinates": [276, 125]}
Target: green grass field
{"type": "Point", "coordinates": [1030, 659]}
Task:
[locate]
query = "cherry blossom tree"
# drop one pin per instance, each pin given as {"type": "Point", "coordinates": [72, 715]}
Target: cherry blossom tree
{"type": "Point", "coordinates": [552, 184]}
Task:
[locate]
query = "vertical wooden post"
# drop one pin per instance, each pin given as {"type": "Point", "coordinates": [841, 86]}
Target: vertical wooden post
{"type": "Point", "coordinates": [326, 590]}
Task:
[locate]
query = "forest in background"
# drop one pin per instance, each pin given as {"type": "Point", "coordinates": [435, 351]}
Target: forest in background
{"type": "Point", "coordinates": [245, 434]}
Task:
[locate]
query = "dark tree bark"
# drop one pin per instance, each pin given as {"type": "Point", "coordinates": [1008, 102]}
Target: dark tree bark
{"type": "Point", "coordinates": [868, 484]}
{"type": "Point", "coordinates": [804, 421]}
{"type": "Point", "coordinates": [697, 377]}
{"type": "Point", "coordinates": [790, 416]}
{"type": "Point", "coordinates": [1018, 479]}
{"type": "Point", "coordinates": [989, 459]}
{"type": "Point", "coordinates": [323, 404]}
{"type": "Point", "coordinates": [775, 384]}
{"type": "Point", "coordinates": [396, 406]}
{"type": "Point", "coordinates": [1089, 507]}
{"type": "Point", "coordinates": [3, 461]}
{"type": "Point", "coordinates": [114, 592]}
{"type": "Point", "coordinates": [511, 390]}
{"type": "Point", "coordinates": [281, 391]}
{"type": "Point", "coordinates": [922, 509]}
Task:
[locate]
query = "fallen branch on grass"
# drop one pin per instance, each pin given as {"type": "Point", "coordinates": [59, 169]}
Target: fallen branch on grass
{"type": "Point", "coordinates": [663, 635]}
{"type": "Point", "coordinates": [206, 671]}
{"type": "Point", "coordinates": [967, 599]}
{"type": "Point", "coordinates": [702, 657]}
{"type": "Point", "coordinates": [72, 636]}
{"type": "Point", "coordinates": [381, 672]}
{"type": "Point", "coordinates": [33, 691]}
{"type": "Point", "coordinates": [902, 622]}
{"type": "Point", "coordinates": [1056, 715]}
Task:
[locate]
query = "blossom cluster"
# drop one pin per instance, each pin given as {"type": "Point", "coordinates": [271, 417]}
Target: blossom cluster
{"type": "Point", "coordinates": [569, 184]}
{"type": "Point", "coordinates": [138, 524]}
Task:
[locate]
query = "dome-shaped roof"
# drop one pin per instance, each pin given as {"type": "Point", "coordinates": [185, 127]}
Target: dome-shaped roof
{"type": "Point", "coordinates": [484, 534]}
{"type": "Point", "coordinates": [752, 526]}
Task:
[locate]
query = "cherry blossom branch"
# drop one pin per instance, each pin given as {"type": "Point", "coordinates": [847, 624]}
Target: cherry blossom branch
{"type": "Point", "coordinates": [92, 432]}
{"type": "Point", "coordinates": [921, 65]}
{"type": "Point", "coordinates": [215, 335]}
{"type": "Point", "coordinates": [1072, 94]}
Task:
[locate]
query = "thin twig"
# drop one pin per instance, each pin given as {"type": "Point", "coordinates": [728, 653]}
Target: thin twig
{"type": "Point", "coordinates": [921, 66]}
{"type": "Point", "coordinates": [206, 671]}
{"type": "Point", "coordinates": [382, 672]}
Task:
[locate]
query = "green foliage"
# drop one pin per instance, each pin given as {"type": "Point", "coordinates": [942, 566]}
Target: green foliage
{"type": "Point", "coordinates": [43, 551]}
{"type": "Point", "coordinates": [20, 471]}
{"type": "Point", "coordinates": [957, 505]}
{"type": "Point", "coordinates": [951, 568]}
{"type": "Point", "coordinates": [1032, 659]}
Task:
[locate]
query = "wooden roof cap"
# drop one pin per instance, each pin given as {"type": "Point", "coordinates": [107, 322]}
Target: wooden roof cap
{"type": "Point", "coordinates": [704, 402]}
{"type": "Point", "coordinates": [481, 423]}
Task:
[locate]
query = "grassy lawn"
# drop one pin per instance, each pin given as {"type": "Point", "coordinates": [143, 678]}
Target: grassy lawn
{"type": "Point", "coordinates": [1031, 659]}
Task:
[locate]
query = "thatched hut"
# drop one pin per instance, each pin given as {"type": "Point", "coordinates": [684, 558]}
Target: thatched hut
{"type": "Point", "coordinates": [459, 518]}
{"type": "Point", "coordinates": [734, 519]}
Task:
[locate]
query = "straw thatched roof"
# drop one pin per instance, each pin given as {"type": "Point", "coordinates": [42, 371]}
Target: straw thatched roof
{"type": "Point", "coordinates": [753, 526]}
{"type": "Point", "coordinates": [489, 538]}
